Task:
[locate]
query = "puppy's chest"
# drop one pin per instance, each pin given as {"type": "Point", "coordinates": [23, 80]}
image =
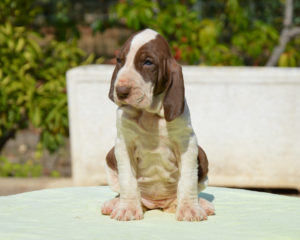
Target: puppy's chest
{"type": "Point", "coordinates": [157, 169]}
{"type": "Point", "coordinates": [154, 151]}
{"type": "Point", "coordinates": [152, 134]}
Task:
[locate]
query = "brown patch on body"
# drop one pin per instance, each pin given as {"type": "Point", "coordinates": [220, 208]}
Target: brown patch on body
{"type": "Point", "coordinates": [202, 164]}
{"type": "Point", "coordinates": [111, 160]}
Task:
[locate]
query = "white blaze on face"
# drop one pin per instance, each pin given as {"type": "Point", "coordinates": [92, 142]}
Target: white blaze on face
{"type": "Point", "coordinates": [141, 91]}
{"type": "Point", "coordinates": [138, 41]}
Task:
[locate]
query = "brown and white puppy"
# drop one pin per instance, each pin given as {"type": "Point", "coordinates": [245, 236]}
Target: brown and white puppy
{"type": "Point", "coordinates": [156, 161]}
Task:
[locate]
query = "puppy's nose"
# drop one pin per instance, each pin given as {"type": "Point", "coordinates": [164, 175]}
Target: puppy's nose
{"type": "Point", "coordinates": [122, 91]}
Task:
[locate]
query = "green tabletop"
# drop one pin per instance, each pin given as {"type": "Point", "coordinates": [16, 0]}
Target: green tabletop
{"type": "Point", "coordinates": [74, 213]}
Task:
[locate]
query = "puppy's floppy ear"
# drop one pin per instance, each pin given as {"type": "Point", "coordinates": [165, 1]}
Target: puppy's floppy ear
{"type": "Point", "coordinates": [162, 80]}
{"type": "Point", "coordinates": [174, 98]}
{"type": "Point", "coordinates": [112, 83]}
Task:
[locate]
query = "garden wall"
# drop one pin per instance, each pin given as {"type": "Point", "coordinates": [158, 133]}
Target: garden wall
{"type": "Point", "coordinates": [246, 119]}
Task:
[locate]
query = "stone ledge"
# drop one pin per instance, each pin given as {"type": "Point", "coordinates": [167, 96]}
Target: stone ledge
{"type": "Point", "coordinates": [246, 119]}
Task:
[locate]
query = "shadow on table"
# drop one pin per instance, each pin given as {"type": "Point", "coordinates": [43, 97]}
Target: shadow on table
{"type": "Point", "coordinates": [207, 196]}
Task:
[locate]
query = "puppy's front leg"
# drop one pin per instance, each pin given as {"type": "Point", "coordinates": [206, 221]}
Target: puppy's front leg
{"type": "Point", "coordinates": [188, 208]}
{"type": "Point", "coordinates": [129, 207]}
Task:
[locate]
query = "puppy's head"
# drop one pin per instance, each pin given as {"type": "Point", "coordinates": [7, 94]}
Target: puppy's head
{"type": "Point", "coordinates": [145, 70]}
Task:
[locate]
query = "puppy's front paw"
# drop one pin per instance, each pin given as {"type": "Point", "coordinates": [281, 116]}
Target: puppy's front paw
{"type": "Point", "coordinates": [127, 210]}
{"type": "Point", "coordinates": [190, 212]}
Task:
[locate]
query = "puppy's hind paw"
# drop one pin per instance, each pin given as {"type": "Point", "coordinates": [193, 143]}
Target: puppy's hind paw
{"type": "Point", "coordinates": [207, 206]}
{"type": "Point", "coordinates": [109, 206]}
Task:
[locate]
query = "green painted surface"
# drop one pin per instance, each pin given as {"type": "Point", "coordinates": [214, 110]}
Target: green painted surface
{"type": "Point", "coordinates": [74, 213]}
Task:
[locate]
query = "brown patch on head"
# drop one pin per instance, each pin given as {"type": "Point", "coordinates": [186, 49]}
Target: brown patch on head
{"type": "Point", "coordinates": [152, 63]}
{"type": "Point", "coordinates": [121, 58]}
{"type": "Point", "coordinates": [164, 72]}
{"type": "Point", "coordinates": [202, 164]}
{"type": "Point", "coordinates": [156, 52]}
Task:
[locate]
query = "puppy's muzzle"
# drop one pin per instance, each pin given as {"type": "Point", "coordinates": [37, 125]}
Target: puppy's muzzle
{"type": "Point", "coordinates": [123, 92]}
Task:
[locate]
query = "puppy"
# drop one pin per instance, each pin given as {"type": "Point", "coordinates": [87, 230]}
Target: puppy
{"type": "Point", "coordinates": [156, 162]}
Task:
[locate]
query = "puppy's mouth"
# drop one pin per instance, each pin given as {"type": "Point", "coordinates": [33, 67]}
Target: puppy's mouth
{"type": "Point", "coordinates": [131, 102]}
{"type": "Point", "coordinates": [140, 99]}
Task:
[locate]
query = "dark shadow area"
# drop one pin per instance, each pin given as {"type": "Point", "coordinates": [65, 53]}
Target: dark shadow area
{"type": "Point", "coordinates": [207, 196]}
{"type": "Point", "coordinates": [280, 191]}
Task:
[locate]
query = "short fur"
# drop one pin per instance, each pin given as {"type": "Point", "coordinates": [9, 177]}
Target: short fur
{"type": "Point", "coordinates": [156, 161]}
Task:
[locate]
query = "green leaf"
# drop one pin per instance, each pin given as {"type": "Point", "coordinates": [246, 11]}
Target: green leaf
{"type": "Point", "coordinates": [283, 60]}
{"type": "Point", "coordinates": [36, 117]}
{"type": "Point", "coordinates": [20, 44]}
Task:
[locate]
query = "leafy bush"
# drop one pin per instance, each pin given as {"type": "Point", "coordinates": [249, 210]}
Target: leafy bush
{"type": "Point", "coordinates": [32, 86]}
{"type": "Point", "coordinates": [291, 57]}
{"type": "Point", "coordinates": [218, 32]}
{"type": "Point", "coordinates": [32, 77]}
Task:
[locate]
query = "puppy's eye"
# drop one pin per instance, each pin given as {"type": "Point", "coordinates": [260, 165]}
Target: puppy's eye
{"type": "Point", "coordinates": [119, 60]}
{"type": "Point", "coordinates": [148, 63]}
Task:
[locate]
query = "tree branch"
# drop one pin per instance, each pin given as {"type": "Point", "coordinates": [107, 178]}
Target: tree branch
{"type": "Point", "coordinates": [294, 32]}
{"type": "Point", "coordinates": [287, 33]}
{"type": "Point", "coordinates": [288, 13]}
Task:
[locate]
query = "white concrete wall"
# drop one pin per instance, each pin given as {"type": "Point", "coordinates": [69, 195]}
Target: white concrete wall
{"type": "Point", "coordinates": [246, 119]}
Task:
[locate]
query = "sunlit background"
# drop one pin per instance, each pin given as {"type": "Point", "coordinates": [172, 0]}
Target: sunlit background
{"type": "Point", "coordinates": [41, 39]}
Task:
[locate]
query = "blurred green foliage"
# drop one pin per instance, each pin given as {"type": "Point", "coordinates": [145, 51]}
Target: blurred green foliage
{"type": "Point", "coordinates": [219, 32]}
{"type": "Point", "coordinates": [18, 12]}
{"type": "Point", "coordinates": [61, 14]}
{"type": "Point", "coordinates": [291, 56]}
{"type": "Point", "coordinates": [215, 32]}
{"type": "Point", "coordinates": [28, 169]}
{"type": "Point", "coordinates": [32, 76]}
